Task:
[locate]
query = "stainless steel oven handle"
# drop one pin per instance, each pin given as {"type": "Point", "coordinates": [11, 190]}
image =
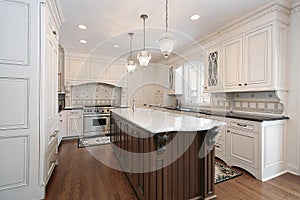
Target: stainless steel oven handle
{"type": "Point", "coordinates": [98, 115]}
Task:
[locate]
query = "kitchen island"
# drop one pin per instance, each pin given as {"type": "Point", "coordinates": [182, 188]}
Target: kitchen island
{"type": "Point", "coordinates": [165, 155]}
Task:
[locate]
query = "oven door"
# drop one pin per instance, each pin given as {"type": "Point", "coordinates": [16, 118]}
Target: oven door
{"type": "Point", "coordinates": [96, 124]}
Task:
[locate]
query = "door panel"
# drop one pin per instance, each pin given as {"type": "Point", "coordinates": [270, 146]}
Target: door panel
{"type": "Point", "coordinates": [232, 63]}
{"type": "Point", "coordinates": [258, 57]}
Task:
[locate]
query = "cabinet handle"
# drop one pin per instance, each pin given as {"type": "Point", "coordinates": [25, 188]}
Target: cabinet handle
{"type": "Point", "coordinates": [228, 131]}
{"type": "Point", "coordinates": [242, 125]}
{"type": "Point", "coordinates": [54, 32]}
{"type": "Point", "coordinates": [245, 84]}
{"type": "Point", "coordinates": [54, 134]}
{"type": "Point", "coordinates": [205, 87]}
{"type": "Point", "coordinates": [240, 84]}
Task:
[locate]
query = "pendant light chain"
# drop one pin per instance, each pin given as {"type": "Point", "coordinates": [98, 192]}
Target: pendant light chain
{"type": "Point", "coordinates": [166, 15]}
{"type": "Point", "coordinates": [131, 46]}
{"type": "Point", "coordinates": [144, 34]}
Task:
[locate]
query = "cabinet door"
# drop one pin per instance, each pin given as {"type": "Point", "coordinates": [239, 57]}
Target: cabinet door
{"type": "Point", "coordinates": [116, 73]}
{"type": "Point", "coordinates": [178, 79]}
{"type": "Point", "coordinates": [212, 70]}
{"type": "Point", "coordinates": [242, 148]}
{"type": "Point", "coordinates": [63, 124]}
{"type": "Point", "coordinates": [75, 123]}
{"type": "Point", "coordinates": [258, 57]}
{"type": "Point", "coordinates": [232, 64]}
{"type": "Point", "coordinates": [76, 68]}
{"type": "Point", "coordinates": [97, 70]}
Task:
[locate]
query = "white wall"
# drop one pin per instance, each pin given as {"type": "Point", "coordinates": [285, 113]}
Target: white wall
{"type": "Point", "coordinates": [293, 133]}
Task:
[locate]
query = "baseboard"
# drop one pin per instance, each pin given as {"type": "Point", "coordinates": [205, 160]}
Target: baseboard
{"type": "Point", "coordinates": [292, 169]}
{"type": "Point", "coordinates": [274, 176]}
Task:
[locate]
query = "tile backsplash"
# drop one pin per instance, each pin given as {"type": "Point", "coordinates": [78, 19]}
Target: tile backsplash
{"type": "Point", "coordinates": [257, 102]}
{"type": "Point", "coordinates": [90, 94]}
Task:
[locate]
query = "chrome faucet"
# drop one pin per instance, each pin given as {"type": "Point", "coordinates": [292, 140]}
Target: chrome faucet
{"type": "Point", "coordinates": [134, 103]}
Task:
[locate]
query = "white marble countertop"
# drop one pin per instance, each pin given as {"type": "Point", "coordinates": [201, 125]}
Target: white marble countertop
{"type": "Point", "coordinates": [156, 121]}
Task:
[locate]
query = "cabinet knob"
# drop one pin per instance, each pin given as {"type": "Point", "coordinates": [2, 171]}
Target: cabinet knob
{"type": "Point", "coordinates": [245, 84]}
{"type": "Point", "coordinates": [240, 84]}
{"type": "Point", "coordinates": [228, 131]}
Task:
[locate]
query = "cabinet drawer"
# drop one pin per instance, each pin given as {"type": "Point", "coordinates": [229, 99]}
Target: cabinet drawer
{"type": "Point", "coordinates": [52, 138]}
{"type": "Point", "coordinates": [244, 125]}
{"type": "Point", "coordinates": [52, 159]}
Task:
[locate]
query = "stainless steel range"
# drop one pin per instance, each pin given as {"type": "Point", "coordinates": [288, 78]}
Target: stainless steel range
{"type": "Point", "coordinates": [96, 120]}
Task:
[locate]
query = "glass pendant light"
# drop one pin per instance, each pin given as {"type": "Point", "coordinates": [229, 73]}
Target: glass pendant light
{"type": "Point", "coordinates": [143, 57]}
{"type": "Point", "coordinates": [166, 41]}
{"type": "Point", "coordinates": [131, 65]}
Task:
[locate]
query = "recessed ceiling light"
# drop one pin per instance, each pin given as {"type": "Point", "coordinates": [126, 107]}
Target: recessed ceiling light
{"type": "Point", "coordinates": [116, 46]}
{"type": "Point", "coordinates": [81, 26]}
{"type": "Point", "coordinates": [83, 41]}
{"type": "Point", "coordinates": [195, 17]}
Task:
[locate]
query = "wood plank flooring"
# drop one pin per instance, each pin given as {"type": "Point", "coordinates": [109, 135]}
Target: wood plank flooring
{"type": "Point", "coordinates": [80, 176]}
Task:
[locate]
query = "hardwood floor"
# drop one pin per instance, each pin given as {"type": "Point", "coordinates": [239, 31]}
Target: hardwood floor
{"type": "Point", "coordinates": [80, 176]}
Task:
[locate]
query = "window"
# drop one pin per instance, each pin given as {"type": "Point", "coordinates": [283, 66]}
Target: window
{"type": "Point", "coordinates": [193, 74]}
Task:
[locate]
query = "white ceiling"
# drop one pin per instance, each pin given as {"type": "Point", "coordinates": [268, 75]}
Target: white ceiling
{"type": "Point", "coordinates": [109, 22]}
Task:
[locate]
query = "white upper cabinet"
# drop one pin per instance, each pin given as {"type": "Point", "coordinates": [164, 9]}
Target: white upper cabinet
{"type": "Point", "coordinates": [232, 63]}
{"type": "Point", "coordinates": [252, 53]}
{"type": "Point", "coordinates": [256, 60]}
{"type": "Point", "coordinates": [81, 68]}
{"type": "Point", "coordinates": [213, 70]}
{"type": "Point", "coordinates": [116, 72]}
{"type": "Point", "coordinates": [76, 68]}
{"type": "Point", "coordinates": [96, 70]}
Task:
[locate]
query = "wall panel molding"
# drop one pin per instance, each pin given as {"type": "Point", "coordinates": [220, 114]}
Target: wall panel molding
{"type": "Point", "coordinates": [14, 169]}
{"type": "Point", "coordinates": [15, 35]}
{"type": "Point", "coordinates": [14, 103]}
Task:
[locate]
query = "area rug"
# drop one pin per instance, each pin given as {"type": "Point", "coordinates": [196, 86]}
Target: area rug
{"type": "Point", "coordinates": [93, 141]}
{"type": "Point", "coordinates": [224, 172]}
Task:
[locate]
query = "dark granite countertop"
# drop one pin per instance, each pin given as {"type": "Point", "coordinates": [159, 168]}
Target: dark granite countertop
{"type": "Point", "coordinates": [73, 108]}
{"type": "Point", "coordinates": [252, 117]}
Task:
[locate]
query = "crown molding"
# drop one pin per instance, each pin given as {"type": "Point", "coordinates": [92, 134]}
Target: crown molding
{"type": "Point", "coordinates": [295, 7]}
{"type": "Point", "coordinates": [90, 54]}
{"type": "Point", "coordinates": [55, 9]}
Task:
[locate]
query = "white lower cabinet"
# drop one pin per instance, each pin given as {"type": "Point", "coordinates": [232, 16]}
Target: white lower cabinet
{"type": "Point", "coordinates": [220, 138]}
{"type": "Point", "coordinates": [52, 155]}
{"type": "Point", "coordinates": [257, 147]}
{"type": "Point", "coordinates": [75, 123]}
{"type": "Point", "coordinates": [243, 145]}
{"type": "Point", "coordinates": [63, 125]}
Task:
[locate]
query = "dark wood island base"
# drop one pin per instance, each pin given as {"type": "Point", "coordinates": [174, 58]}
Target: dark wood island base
{"type": "Point", "coordinates": [169, 165]}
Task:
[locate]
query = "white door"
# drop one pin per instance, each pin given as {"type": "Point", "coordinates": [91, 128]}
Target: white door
{"type": "Point", "coordinates": [258, 58]}
{"type": "Point", "coordinates": [232, 64]}
{"type": "Point", "coordinates": [19, 86]}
